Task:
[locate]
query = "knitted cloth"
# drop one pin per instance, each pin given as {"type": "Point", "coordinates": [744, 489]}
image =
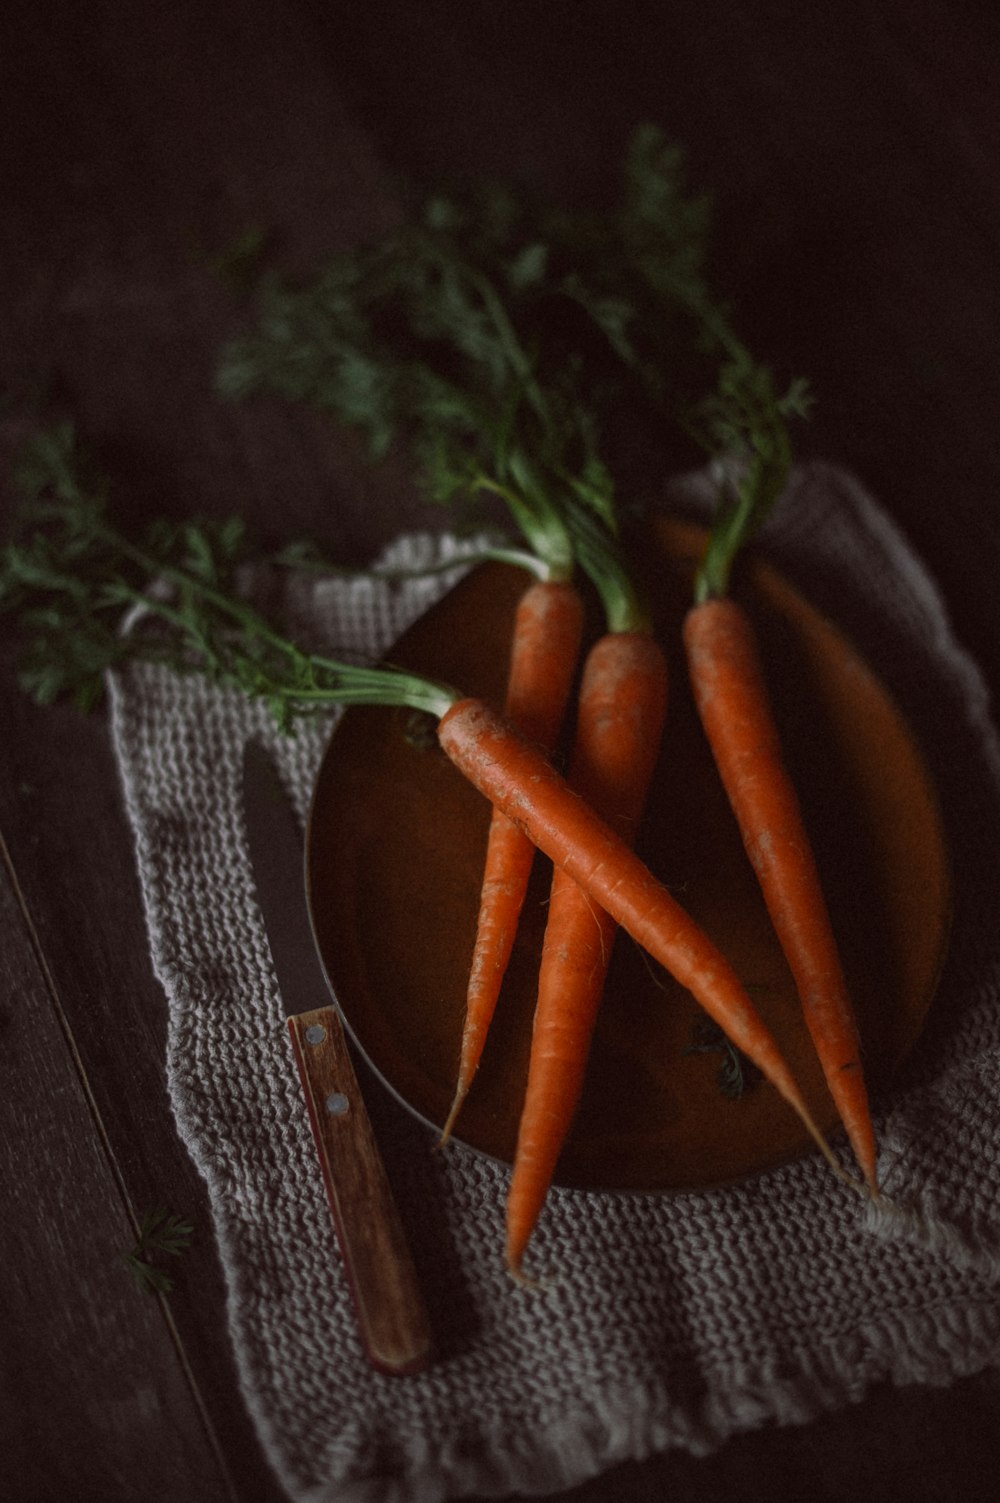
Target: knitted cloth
{"type": "Point", "coordinates": [675, 1320]}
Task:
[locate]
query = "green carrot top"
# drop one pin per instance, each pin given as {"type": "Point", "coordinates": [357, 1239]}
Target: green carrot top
{"type": "Point", "coordinates": [432, 335]}
{"type": "Point", "coordinates": [644, 283]}
{"type": "Point", "coordinates": [619, 303]}
{"type": "Point", "coordinates": [88, 598]}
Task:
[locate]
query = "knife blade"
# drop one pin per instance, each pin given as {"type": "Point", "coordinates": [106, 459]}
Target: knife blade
{"type": "Point", "coordinates": [391, 1315]}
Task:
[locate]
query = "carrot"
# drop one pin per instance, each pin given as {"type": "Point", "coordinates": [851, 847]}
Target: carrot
{"type": "Point", "coordinates": [548, 629]}
{"type": "Point", "coordinates": [518, 780]}
{"type": "Point", "coordinates": [620, 715]}
{"type": "Point", "coordinates": [735, 711]}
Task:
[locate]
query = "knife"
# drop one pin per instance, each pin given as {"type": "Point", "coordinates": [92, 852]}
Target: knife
{"type": "Point", "coordinates": [391, 1315]}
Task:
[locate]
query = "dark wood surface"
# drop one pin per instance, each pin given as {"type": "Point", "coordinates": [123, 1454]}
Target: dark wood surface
{"type": "Point", "coordinates": [854, 155]}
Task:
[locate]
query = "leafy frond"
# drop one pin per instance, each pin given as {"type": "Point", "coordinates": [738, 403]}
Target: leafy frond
{"type": "Point", "coordinates": [494, 333]}
{"type": "Point", "coordinates": [163, 1234]}
{"type": "Point", "coordinates": [88, 599]}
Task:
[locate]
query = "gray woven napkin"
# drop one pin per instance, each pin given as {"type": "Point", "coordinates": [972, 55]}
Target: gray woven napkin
{"type": "Point", "coordinates": [670, 1321]}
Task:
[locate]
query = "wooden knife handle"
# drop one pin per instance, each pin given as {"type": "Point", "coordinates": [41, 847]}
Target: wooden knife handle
{"type": "Point", "coordinates": [391, 1315]}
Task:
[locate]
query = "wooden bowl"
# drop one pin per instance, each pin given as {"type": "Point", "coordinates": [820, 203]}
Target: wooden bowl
{"type": "Point", "coordinates": [394, 860]}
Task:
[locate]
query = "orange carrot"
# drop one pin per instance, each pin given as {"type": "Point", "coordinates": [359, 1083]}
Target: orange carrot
{"type": "Point", "coordinates": [518, 780]}
{"type": "Point", "coordinates": [733, 704]}
{"type": "Point", "coordinates": [620, 715]}
{"type": "Point", "coordinates": [548, 629]}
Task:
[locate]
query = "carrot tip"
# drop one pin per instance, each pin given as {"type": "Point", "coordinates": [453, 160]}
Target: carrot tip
{"type": "Point", "coordinates": [871, 1185]}
{"type": "Point", "coordinates": [461, 1092]}
{"type": "Point", "coordinates": [819, 1138]}
{"type": "Point", "coordinates": [860, 1186]}
{"type": "Point", "coordinates": [523, 1280]}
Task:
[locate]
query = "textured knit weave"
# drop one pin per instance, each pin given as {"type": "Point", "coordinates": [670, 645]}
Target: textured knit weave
{"type": "Point", "coordinates": [675, 1320]}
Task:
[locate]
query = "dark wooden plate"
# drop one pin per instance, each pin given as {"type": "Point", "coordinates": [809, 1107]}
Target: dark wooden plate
{"type": "Point", "coordinates": [394, 859]}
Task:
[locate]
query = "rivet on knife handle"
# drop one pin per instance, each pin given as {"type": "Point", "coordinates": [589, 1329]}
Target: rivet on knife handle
{"type": "Point", "coordinates": [390, 1309]}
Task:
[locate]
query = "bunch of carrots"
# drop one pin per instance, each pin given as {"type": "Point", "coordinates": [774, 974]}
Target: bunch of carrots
{"type": "Point", "coordinates": [443, 334]}
{"type": "Point", "coordinates": [73, 578]}
{"type": "Point", "coordinates": [500, 336]}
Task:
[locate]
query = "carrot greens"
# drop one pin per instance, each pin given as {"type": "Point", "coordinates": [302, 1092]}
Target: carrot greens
{"type": "Point", "coordinates": [640, 274]}
{"type": "Point", "coordinates": [406, 340]}
{"type": "Point", "coordinates": [161, 1233]}
{"type": "Point", "coordinates": [433, 337]}
{"type": "Point", "coordinates": [737, 1074]}
{"type": "Point", "coordinates": [76, 582]}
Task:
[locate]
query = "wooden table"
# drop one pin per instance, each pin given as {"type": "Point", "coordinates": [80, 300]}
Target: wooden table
{"type": "Point", "coordinates": [854, 156]}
